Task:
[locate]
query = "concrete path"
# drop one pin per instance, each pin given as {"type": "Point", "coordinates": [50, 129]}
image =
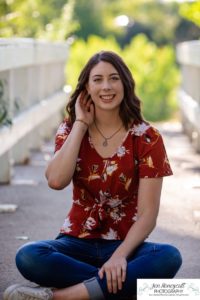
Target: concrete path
{"type": "Point", "coordinates": [41, 210]}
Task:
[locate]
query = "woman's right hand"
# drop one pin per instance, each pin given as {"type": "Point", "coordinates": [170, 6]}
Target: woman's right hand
{"type": "Point", "coordinates": [84, 108]}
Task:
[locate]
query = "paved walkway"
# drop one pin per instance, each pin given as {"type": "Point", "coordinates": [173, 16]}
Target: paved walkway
{"type": "Point", "coordinates": [41, 210]}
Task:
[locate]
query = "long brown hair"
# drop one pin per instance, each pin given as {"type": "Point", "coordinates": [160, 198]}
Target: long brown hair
{"type": "Point", "coordinates": [130, 108]}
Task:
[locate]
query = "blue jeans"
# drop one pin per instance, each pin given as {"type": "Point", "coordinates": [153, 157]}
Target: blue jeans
{"type": "Point", "coordinates": [68, 260]}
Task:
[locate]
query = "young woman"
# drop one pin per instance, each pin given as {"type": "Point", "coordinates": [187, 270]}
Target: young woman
{"type": "Point", "coordinates": [116, 161]}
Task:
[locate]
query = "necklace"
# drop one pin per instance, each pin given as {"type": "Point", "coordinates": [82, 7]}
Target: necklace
{"type": "Point", "coordinates": [105, 142]}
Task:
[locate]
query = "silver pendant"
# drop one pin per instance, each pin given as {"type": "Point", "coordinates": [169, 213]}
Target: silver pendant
{"type": "Point", "coordinates": [105, 143]}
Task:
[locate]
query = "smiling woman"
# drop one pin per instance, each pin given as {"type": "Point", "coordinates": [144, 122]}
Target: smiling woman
{"type": "Point", "coordinates": [117, 162]}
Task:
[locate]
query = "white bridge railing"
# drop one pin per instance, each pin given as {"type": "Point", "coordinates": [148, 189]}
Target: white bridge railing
{"type": "Point", "coordinates": [31, 76]}
{"type": "Point", "coordinates": [188, 55]}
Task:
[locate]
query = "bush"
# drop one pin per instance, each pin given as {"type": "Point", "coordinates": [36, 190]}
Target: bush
{"type": "Point", "coordinates": [153, 68]}
{"type": "Point", "coordinates": [156, 76]}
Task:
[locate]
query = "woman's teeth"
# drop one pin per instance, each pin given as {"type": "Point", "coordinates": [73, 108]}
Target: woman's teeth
{"type": "Point", "coordinates": [107, 97]}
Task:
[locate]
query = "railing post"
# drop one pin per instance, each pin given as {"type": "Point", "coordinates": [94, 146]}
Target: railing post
{"type": "Point", "coordinates": [188, 55]}
{"type": "Point", "coordinates": [6, 159]}
{"type": "Point", "coordinates": [20, 151]}
{"type": "Point", "coordinates": [34, 71]}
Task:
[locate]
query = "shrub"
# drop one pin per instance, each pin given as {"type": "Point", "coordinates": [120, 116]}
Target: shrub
{"type": "Point", "coordinates": [156, 76]}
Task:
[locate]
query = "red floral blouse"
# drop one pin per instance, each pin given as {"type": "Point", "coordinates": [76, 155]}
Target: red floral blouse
{"type": "Point", "coordinates": [105, 190]}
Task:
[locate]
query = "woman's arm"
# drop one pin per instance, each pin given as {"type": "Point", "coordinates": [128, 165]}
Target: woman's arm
{"type": "Point", "coordinates": [61, 168]}
{"type": "Point", "coordinates": [148, 207]}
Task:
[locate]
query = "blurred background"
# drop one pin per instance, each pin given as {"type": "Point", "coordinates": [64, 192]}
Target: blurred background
{"type": "Point", "coordinates": [144, 32]}
{"type": "Point", "coordinates": [43, 46]}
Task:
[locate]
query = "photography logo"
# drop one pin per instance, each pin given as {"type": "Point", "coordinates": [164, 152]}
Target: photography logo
{"type": "Point", "coordinates": [166, 289]}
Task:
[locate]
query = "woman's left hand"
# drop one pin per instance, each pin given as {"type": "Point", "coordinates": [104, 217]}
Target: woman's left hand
{"type": "Point", "coordinates": [115, 270]}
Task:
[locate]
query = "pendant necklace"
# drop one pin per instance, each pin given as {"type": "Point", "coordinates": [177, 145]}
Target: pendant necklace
{"type": "Point", "coordinates": [105, 142]}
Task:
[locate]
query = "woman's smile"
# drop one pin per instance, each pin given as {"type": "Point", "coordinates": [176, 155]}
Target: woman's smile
{"type": "Point", "coordinates": [107, 98]}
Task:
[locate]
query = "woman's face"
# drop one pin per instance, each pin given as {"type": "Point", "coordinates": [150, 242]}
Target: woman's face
{"type": "Point", "coordinates": [105, 87]}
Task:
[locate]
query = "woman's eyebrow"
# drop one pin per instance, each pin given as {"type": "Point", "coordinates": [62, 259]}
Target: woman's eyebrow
{"type": "Point", "coordinates": [99, 75]}
{"type": "Point", "coordinates": [96, 75]}
{"type": "Point", "coordinates": [114, 74]}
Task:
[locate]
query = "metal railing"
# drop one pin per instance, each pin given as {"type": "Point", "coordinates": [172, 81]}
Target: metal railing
{"type": "Point", "coordinates": [32, 80]}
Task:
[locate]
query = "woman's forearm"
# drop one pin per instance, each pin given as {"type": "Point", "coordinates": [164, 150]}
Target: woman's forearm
{"type": "Point", "coordinates": [149, 193]}
{"type": "Point", "coordinates": [61, 168]}
{"type": "Point", "coordinates": [138, 232]}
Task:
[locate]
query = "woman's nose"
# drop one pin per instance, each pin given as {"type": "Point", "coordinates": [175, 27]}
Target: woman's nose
{"type": "Point", "coordinates": [106, 85]}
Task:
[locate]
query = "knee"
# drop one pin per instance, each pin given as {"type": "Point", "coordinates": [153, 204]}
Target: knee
{"type": "Point", "coordinates": [24, 256]}
{"type": "Point", "coordinates": [173, 258]}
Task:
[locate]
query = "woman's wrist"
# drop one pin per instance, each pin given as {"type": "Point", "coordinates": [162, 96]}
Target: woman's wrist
{"type": "Point", "coordinates": [122, 251]}
{"type": "Point", "coordinates": [83, 122]}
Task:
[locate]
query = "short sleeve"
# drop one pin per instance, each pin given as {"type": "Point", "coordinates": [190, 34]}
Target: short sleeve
{"type": "Point", "coordinates": [152, 156]}
{"type": "Point", "coordinates": [62, 134]}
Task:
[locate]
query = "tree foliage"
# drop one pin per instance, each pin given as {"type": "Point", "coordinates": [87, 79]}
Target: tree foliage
{"type": "Point", "coordinates": [191, 11]}
{"type": "Point", "coordinates": [89, 15]}
{"type": "Point", "coordinates": [156, 20]}
{"type": "Point", "coordinates": [156, 76]}
{"type": "Point", "coordinates": [57, 20]}
{"type": "Point", "coordinates": [50, 19]}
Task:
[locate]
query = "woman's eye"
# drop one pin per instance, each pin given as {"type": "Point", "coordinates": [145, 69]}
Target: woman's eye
{"type": "Point", "coordinates": [97, 79]}
{"type": "Point", "coordinates": [115, 78]}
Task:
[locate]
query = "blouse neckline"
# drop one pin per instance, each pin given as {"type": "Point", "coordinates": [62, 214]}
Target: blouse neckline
{"type": "Point", "coordinates": [115, 152]}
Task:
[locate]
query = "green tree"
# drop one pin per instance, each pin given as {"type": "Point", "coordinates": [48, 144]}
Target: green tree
{"type": "Point", "coordinates": [36, 18]}
{"type": "Point", "coordinates": [89, 15]}
{"type": "Point", "coordinates": [60, 28]}
{"type": "Point", "coordinates": [157, 20]}
{"type": "Point", "coordinates": [55, 19]}
{"type": "Point", "coordinates": [156, 76]}
{"type": "Point", "coordinates": [191, 12]}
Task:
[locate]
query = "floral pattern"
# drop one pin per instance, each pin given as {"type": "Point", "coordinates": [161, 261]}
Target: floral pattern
{"type": "Point", "coordinates": [139, 129]}
{"type": "Point", "coordinates": [121, 151]}
{"type": "Point", "coordinates": [105, 190]}
{"type": "Point", "coordinates": [66, 226]}
{"type": "Point", "coordinates": [110, 235]}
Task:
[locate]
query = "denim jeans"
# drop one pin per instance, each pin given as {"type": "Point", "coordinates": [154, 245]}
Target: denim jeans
{"type": "Point", "coordinates": [68, 260]}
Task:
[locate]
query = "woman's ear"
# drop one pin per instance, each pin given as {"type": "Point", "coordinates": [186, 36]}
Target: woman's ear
{"type": "Point", "coordinates": [87, 88]}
